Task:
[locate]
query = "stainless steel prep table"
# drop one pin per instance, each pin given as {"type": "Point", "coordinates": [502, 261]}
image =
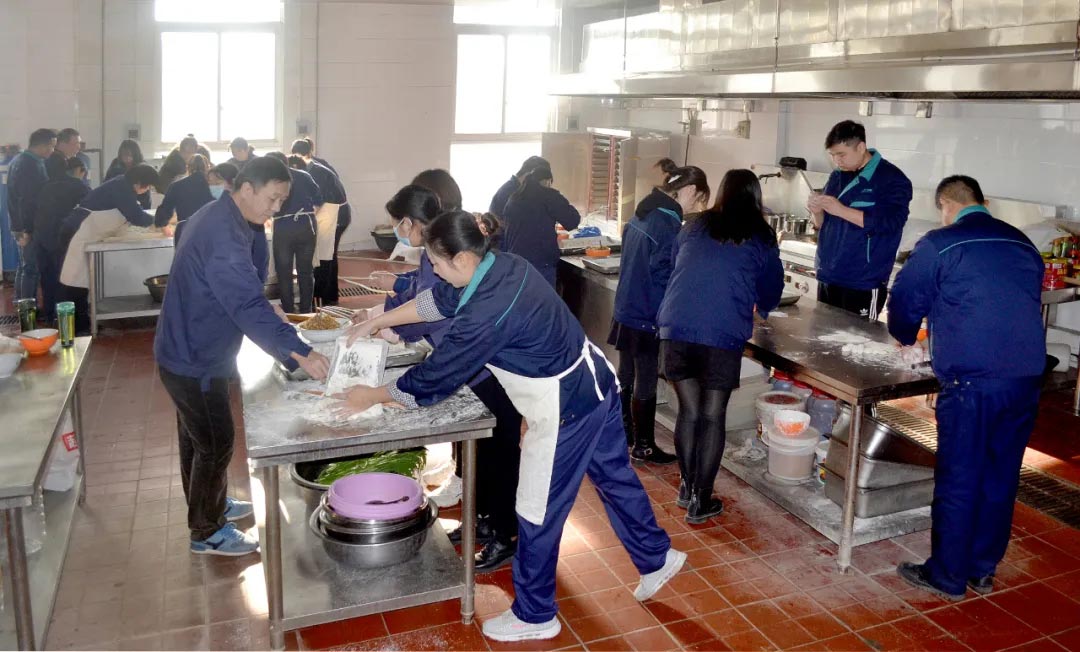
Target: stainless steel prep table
{"type": "Point", "coordinates": [137, 305]}
{"type": "Point", "coordinates": [791, 344]}
{"type": "Point", "coordinates": [321, 590]}
{"type": "Point", "coordinates": [33, 401]}
{"type": "Point", "coordinates": [1050, 301]}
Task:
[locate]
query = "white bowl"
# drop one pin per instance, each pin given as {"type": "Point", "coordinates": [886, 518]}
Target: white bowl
{"type": "Point", "coordinates": [9, 362]}
{"type": "Point", "coordinates": [324, 336]}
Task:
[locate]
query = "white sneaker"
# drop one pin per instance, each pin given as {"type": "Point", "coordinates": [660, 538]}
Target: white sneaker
{"type": "Point", "coordinates": [654, 581]}
{"type": "Point", "coordinates": [507, 627]}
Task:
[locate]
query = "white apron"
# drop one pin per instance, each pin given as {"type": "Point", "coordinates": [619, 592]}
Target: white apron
{"type": "Point", "coordinates": [326, 217]}
{"type": "Point", "coordinates": [537, 400]}
{"type": "Point", "coordinates": [97, 226]}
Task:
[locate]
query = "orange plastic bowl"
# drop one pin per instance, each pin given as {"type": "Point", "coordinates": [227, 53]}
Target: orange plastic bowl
{"type": "Point", "coordinates": [598, 252]}
{"type": "Point", "coordinates": [38, 342]}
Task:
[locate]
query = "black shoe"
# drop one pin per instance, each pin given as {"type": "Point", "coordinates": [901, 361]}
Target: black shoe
{"type": "Point", "coordinates": [651, 454]}
{"type": "Point", "coordinates": [982, 585]}
{"type": "Point", "coordinates": [495, 554]}
{"type": "Point", "coordinates": [683, 500]}
{"type": "Point", "coordinates": [915, 575]}
{"type": "Point", "coordinates": [484, 533]}
{"type": "Point", "coordinates": [702, 507]}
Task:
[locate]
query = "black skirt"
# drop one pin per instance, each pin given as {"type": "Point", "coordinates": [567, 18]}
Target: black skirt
{"type": "Point", "coordinates": [715, 368]}
{"type": "Point", "coordinates": [633, 341]}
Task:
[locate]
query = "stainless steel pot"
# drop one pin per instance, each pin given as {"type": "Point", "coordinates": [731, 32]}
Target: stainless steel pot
{"type": "Point", "coordinates": [795, 225]}
{"type": "Point", "coordinates": [375, 550]}
{"type": "Point", "coordinates": [336, 524]}
{"type": "Point", "coordinates": [304, 474]}
{"type": "Point", "coordinates": [775, 220]}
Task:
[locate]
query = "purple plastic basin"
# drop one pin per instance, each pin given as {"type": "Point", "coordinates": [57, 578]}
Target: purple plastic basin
{"type": "Point", "coordinates": [375, 496]}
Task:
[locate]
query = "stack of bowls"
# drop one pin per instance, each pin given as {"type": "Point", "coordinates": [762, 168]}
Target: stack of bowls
{"type": "Point", "coordinates": [371, 520]}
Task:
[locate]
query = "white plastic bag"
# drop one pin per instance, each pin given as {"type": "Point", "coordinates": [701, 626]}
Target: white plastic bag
{"type": "Point", "coordinates": [64, 458]}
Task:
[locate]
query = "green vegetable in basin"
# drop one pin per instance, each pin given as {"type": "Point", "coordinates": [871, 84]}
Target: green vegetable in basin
{"type": "Point", "coordinates": [409, 463]}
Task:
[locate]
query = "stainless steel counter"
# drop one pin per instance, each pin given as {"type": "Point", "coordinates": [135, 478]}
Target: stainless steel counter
{"type": "Point", "coordinates": [281, 427]}
{"type": "Point", "coordinates": [33, 402]}
{"type": "Point", "coordinates": [104, 307]}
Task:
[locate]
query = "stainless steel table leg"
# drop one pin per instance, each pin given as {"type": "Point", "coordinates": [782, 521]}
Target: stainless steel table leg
{"type": "Point", "coordinates": [91, 265]}
{"type": "Point", "coordinates": [847, 524]}
{"type": "Point", "coordinates": [271, 553]}
{"type": "Point", "coordinates": [20, 578]}
{"type": "Point", "coordinates": [468, 526]}
{"type": "Point", "coordinates": [80, 437]}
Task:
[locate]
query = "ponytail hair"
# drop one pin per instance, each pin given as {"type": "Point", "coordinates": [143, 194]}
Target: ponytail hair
{"type": "Point", "coordinates": [454, 232]}
{"type": "Point", "coordinates": [737, 215]}
{"type": "Point", "coordinates": [532, 180]}
{"type": "Point", "coordinates": [414, 202]}
{"type": "Point", "coordinates": [667, 168]}
{"type": "Point", "coordinates": [198, 165]}
{"type": "Point", "coordinates": [679, 178]}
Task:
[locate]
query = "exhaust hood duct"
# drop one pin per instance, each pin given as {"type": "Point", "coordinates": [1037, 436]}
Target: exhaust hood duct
{"type": "Point", "coordinates": [866, 49]}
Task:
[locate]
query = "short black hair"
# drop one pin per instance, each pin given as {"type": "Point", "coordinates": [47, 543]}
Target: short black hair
{"type": "Point", "coordinates": [414, 202]}
{"type": "Point", "coordinates": [227, 171]}
{"type": "Point", "coordinates": [74, 163]}
{"type": "Point", "coordinates": [67, 134]}
{"type": "Point", "coordinates": [263, 170]}
{"type": "Point", "coordinates": [848, 132]}
{"type": "Point", "coordinates": [42, 137]}
{"type": "Point", "coordinates": [302, 147]}
{"type": "Point", "coordinates": [297, 163]}
{"type": "Point", "coordinates": [959, 188]}
{"type": "Point", "coordinates": [278, 156]}
{"type": "Point", "coordinates": [142, 175]}
{"type": "Point", "coordinates": [443, 185]}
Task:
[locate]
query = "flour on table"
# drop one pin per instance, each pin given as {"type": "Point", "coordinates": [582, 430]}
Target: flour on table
{"type": "Point", "coordinates": [321, 410]}
{"type": "Point", "coordinates": [883, 355]}
{"type": "Point", "coordinates": [843, 337]}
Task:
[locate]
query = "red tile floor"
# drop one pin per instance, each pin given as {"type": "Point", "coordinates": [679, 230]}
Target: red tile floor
{"type": "Point", "coordinates": [757, 577]}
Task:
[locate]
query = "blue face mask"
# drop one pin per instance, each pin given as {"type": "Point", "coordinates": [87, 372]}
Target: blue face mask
{"type": "Point", "coordinates": [217, 191]}
{"type": "Point", "coordinates": [402, 240]}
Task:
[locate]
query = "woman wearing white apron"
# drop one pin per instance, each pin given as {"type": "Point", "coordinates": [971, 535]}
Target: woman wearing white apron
{"type": "Point", "coordinates": [100, 214]}
{"type": "Point", "coordinates": [506, 317]}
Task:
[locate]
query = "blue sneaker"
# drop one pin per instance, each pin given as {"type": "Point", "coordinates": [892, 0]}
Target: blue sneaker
{"type": "Point", "coordinates": [236, 510]}
{"type": "Point", "coordinates": [227, 542]}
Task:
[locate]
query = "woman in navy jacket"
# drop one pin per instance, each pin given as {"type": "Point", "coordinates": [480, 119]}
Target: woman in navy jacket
{"type": "Point", "coordinates": [411, 210]}
{"type": "Point", "coordinates": [505, 317]}
{"type": "Point", "coordinates": [186, 196]}
{"type": "Point", "coordinates": [726, 263]}
{"type": "Point", "coordinates": [648, 239]}
{"type": "Point", "coordinates": [529, 221]}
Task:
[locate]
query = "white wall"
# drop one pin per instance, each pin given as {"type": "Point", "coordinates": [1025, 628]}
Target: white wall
{"type": "Point", "coordinates": [373, 80]}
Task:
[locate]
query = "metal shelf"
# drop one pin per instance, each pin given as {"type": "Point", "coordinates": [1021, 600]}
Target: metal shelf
{"type": "Point", "coordinates": [133, 305]}
{"type": "Point", "coordinates": [321, 590]}
{"type": "Point", "coordinates": [44, 567]}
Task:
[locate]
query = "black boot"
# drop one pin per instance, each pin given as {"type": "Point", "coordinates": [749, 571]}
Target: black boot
{"type": "Point", "coordinates": [683, 500]}
{"type": "Point", "coordinates": [484, 533]}
{"type": "Point", "coordinates": [702, 506]}
{"type": "Point", "coordinates": [496, 554]}
{"type": "Point", "coordinates": [627, 415]}
{"type": "Point", "coordinates": [645, 448]}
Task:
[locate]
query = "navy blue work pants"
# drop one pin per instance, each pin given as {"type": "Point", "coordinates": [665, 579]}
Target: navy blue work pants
{"type": "Point", "coordinates": [983, 429]}
{"type": "Point", "coordinates": [596, 446]}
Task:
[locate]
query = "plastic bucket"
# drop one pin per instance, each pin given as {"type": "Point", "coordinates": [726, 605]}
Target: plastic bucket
{"type": "Point", "coordinates": [792, 458]}
{"type": "Point", "coordinates": [769, 403]}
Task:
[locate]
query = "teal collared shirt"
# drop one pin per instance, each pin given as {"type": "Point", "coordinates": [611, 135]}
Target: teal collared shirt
{"type": "Point", "coordinates": [865, 174]}
{"type": "Point", "coordinates": [478, 276]}
{"type": "Point", "coordinates": [975, 208]}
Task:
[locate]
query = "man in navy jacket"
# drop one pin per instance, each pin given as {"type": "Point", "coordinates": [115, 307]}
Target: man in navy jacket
{"type": "Point", "coordinates": [860, 217]}
{"type": "Point", "coordinates": [26, 176]}
{"type": "Point", "coordinates": [215, 299]}
{"type": "Point", "coordinates": [978, 280]}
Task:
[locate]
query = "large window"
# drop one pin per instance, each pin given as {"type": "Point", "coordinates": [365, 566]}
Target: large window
{"type": "Point", "coordinates": [501, 106]}
{"type": "Point", "coordinates": [219, 69]}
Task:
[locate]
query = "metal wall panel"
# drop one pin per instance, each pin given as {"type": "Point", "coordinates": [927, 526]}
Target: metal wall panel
{"type": "Point", "coordinates": [860, 19]}
{"type": "Point", "coordinates": [984, 14]}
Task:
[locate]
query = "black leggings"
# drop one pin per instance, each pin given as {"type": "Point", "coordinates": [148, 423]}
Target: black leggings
{"type": "Point", "coordinates": [700, 433]}
{"type": "Point", "coordinates": [637, 372]}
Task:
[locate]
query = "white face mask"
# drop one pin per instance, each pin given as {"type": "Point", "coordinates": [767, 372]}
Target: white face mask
{"type": "Point", "coordinates": [217, 191]}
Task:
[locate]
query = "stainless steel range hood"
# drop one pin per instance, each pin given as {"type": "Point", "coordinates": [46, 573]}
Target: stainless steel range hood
{"type": "Point", "coordinates": [917, 49]}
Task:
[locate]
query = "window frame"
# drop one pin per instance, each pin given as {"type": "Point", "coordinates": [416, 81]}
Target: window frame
{"type": "Point", "coordinates": [275, 28]}
{"type": "Point", "coordinates": [466, 29]}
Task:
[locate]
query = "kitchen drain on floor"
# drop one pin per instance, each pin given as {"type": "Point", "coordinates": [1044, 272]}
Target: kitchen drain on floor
{"type": "Point", "coordinates": [1038, 490]}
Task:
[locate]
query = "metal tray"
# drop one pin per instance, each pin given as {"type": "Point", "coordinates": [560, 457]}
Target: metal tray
{"type": "Point", "coordinates": [572, 246]}
{"type": "Point", "coordinates": [607, 265]}
{"type": "Point", "coordinates": [874, 474]}
{"type": "Point", "coordinates": [878, 502]}
{"type": "Point", "coordinates": [880, 442]}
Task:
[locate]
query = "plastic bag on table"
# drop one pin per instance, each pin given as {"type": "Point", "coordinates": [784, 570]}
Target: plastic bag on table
{"type": "Point", "coordinates": [64, 459]}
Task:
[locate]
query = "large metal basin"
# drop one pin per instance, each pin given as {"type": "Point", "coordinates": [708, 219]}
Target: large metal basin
{"type": "Point", "coordinates": [878, 502]}
{"type": "Point", "coordinates": [880, 442]}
